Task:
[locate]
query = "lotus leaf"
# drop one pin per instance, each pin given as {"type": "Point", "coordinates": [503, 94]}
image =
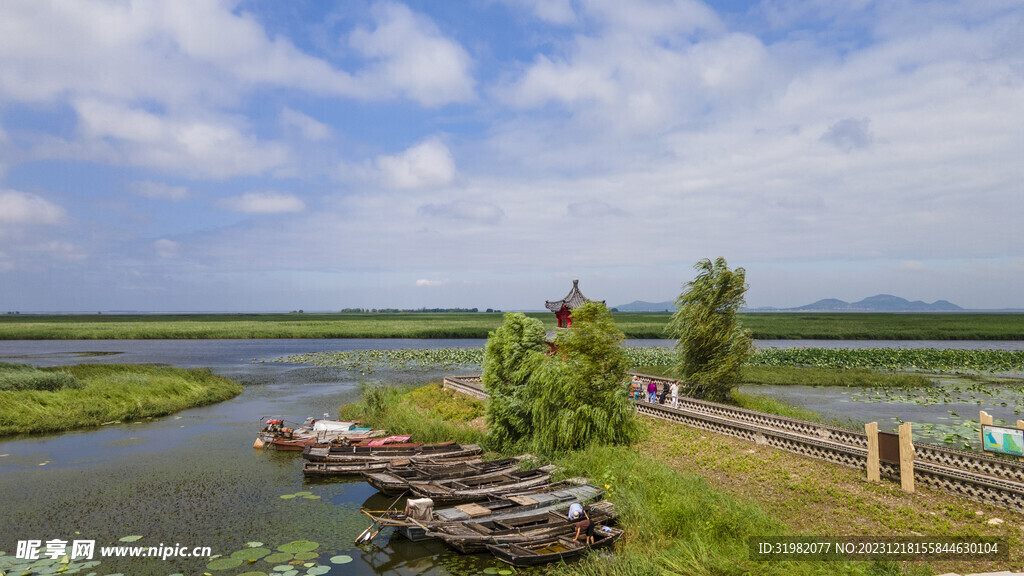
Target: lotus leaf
{"type": "Point", "coordinates": [282, 568]}
{"type": "Point", "coordinates": [253, 574]}
{"type": "Point", "coordinates": [306, 555]}
{"type": "Point", "coordinates": [341, 559]}
{"type": "Point", "coordinates": [129, 538]}
{"type": "Point", "coordinates": [287, 496]}
{"type": "Point", "coordinates": [317, 570]}
{"type": "Point", "coordinates": [278, 557]}
{"type": "Point", "coordinates": [224, 564]}
{"type": "Point", "coordinates": [299, 546]}
{"type": "Point", "coordinates": [254, 544]}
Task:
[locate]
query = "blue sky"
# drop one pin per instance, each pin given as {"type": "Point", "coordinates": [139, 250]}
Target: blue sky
{"type": "Point", "coordinates": [263, 156]}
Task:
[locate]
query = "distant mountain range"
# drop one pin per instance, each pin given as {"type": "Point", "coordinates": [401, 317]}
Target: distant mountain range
{"type": "Point", "coordinates": [879, 303]}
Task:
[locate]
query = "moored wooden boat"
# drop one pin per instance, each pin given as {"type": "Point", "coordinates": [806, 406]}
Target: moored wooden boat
{"type": "Point", "coordinates": [358, 467]}
{"type": "Point", "coordinates": [473, 537]}
{"type": "Point", "coordinates": [541, 499]}
{"type": "Point", "coordinates": [552, 549]}
{"type": "Point", "coordinates": [275, 434]}
{"type": "Point", "coordinates": [395, 480]}
{"type": "Point", "coordinates": [473, 488]}
{"type": "Point", "coordinates": [324, 453]}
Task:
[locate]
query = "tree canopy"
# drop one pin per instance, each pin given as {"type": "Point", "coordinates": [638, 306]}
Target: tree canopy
{"type": "Point", "coordinates": [562, 401]}
{"type": "Point", "coordinates": [711, 344]}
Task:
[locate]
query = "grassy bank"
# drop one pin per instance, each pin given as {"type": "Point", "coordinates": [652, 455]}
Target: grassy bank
{"type": "Point", "coordinates": [428, 413]}
{"type": "Point", "coordinates": [689, 500]}
{"type": "Point", "coordinates": [94, 394]}
{"type": "Point", "coordinates": [477, 325]}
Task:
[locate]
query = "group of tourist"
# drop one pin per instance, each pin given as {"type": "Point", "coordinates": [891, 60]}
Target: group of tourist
{"type": "Point", "coordinates": [668, 388]}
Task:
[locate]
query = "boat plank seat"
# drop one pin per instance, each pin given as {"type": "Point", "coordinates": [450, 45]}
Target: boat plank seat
{"type": "Point", "coordinates": [473, 510]}
{"type": "Point", "coordinates": [522, 500]}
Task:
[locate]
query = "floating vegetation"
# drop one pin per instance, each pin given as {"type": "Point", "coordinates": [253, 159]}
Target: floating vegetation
{"type": "Point", "coordinates": [924, 359]}
{"type": "Point", "coordinates": [305, 494]}
{"type": "Point", "coordinates": [129, 538]}
{"type": "Point", "coordinates": [224, 564]}
{"type": "Point", "coordinates": [298, 546]}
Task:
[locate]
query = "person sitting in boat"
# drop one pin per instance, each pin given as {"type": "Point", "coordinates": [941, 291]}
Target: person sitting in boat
{"type": "Point", "coordinates": [585, 526]}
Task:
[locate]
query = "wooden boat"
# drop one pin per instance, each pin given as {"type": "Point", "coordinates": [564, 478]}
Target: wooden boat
{"type": "Point", "coordinates": [541, 499]}
{"type": "Point", "coordinates": [348, 454]}
{"type": "Point", "coordinates": [473, 488]}
{"type": "Point", "coordinates": [361, 467]}
{"type": "Point", "coordinates": [395, 479]}
{"type": "Point", "coordinates": [473, 537]}
{"type": "Point", "coordinates": [552, 549]}
{"type": "Point", "coordinates": [313, 431]}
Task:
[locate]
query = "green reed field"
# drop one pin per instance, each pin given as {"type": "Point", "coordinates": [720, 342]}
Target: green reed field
{"type": "Point", "coordinates": [36, 400]}
{"type": "Point", "coordinates": [827, 326]}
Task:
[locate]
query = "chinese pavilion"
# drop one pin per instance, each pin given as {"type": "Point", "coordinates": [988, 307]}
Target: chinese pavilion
{"type": "Point", "coordinates": [564, 307]}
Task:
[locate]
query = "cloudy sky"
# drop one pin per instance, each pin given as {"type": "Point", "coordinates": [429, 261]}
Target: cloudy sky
{"type": "Point", "coordinates": [264, 155]}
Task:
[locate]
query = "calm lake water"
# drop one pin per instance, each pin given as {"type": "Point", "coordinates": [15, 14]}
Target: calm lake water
{"type": "Point", "coordinates": [192, 479]}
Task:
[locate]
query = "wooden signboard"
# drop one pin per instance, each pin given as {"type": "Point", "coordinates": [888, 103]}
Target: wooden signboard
{"type": "Point", "coordinates": [1002, 440]}
{"type": "Point", "coordinates": [889, 448]}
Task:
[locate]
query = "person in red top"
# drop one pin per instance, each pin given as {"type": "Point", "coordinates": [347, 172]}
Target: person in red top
{"type": "Point", "coordinates": [585, 526]}
{"type": "Point", "coordinates": [652, 391]}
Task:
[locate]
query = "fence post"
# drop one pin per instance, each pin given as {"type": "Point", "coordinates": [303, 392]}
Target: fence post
{"type": "Point", "coordinates": [906, 458]}
{"type": "Point", "coordinates": [1020, 426]}
{"type": "Point", "coordinates": [874, 473]}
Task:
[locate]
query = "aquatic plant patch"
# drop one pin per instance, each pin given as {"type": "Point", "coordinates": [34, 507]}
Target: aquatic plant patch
{"type": "Point", "coordinates": [926, 360]}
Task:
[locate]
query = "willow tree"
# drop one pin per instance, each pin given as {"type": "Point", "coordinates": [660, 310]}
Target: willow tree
{"type": "Point", "coordinates": [579, 393]}
{"type": "Point", "coordinates": [712, 346]}
{"type": "Point", "coordinates": [513, 352]}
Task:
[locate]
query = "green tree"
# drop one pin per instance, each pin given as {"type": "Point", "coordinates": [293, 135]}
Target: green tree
{"type": "Point", "coordinates": [513, 352]}
{"type": "Point", "coordinates": [579, 393]}
{"type": "Point", "coordinates": [562, 401]}
{"type": "Point", "coordinates": [712, 346]}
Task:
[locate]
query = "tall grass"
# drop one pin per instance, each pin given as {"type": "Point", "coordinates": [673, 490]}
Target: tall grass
{"type": "Point", "coordinates": [25, 377]}
{"type": "Point", "coordinates": [110, 392]}
{"type": "Point", "coordinates": [428, 414]}
{"type": "Point", "coordinates": [677, 523]}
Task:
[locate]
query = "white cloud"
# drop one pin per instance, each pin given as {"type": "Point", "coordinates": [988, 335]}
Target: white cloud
{"type": "Point", "coordinates": [423, 282]}
{"type": "Point", "coordinates": [26, 209]}
{"type": "Point", "coordinates": [429, 163]}
{"type": "Point", "coordinates": [264, 203]}
{"type": "Point", "coordinates": [165, 248]}
{"type": "Point", "coordinates": [159, 191]}
{"type": "Point", "coordinates": [481, 212]}
{"type": "Point", "coordinates": [212, 147]}
{"type": "Point", "coordinates": [309, 128]}
{"type": "Point", "coordinates": [554, 11]}
{"type": "Point", "coordinates": [189, 51]}
{"type": "Point", "coordinates": [61, 250]}
{"type": "Point", "coordinates": [412, 58]}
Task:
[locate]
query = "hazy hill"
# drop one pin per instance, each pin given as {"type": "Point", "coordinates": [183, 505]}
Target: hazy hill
{"type": "Point", "coordinates": [878, 303]}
